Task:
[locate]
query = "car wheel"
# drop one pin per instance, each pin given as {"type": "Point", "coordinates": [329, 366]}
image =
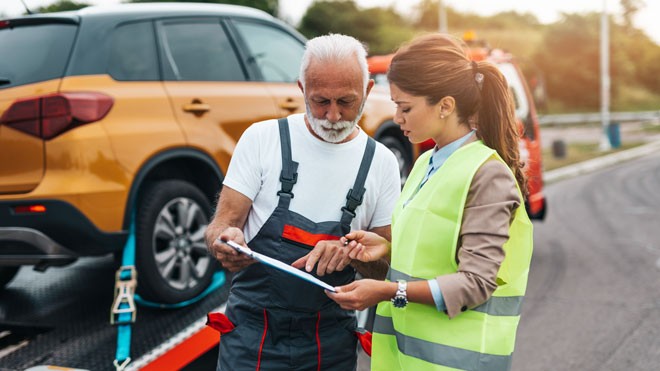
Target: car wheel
{"type": "Point", "coordinates": [171, 255]}
{"type": "Point", "coordinates": [7, 274]}
{"type": "Point", "coordinates": [402, 155]}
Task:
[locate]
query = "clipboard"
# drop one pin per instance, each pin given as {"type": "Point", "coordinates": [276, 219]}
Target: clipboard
{"type": "Point", "coordinates": [278, 265]}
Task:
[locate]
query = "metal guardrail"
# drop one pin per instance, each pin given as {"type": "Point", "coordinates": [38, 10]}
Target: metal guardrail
{"type": "Point", "coordinates": [584, 118]}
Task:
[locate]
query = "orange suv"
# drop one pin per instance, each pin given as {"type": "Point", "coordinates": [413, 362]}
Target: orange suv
{"type": "Point", "coordinates": [126, 116]}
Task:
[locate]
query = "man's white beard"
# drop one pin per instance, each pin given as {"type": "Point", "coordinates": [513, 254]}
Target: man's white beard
{"type": "Point", "coordinates": [332, 132]}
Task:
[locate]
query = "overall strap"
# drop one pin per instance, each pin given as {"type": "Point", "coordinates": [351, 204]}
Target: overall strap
{"type": "Point", "coordinates": [355, 194]}
{"type": "Point", "coordinates": [289, 174]}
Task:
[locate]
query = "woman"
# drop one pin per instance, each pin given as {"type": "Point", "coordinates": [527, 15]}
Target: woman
{"type": "Point", "coordinates": [461, 242]}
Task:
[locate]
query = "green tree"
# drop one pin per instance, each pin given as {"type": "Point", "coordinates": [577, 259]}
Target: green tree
{"type": "Point", "coordinates": [630, 8]}
{"type": "Point", "coordinates": [324, 17]}
{"type": "Point", "coordinates": [570, 61]}
{"type": "Point", "coordinates": [427, 19]}
{"type": "Point", "coordinates": [269, 6]}
{"type": "Point", "coordinates": [382, 29]}
{"type": "Point", "coordinates": [61, 6]}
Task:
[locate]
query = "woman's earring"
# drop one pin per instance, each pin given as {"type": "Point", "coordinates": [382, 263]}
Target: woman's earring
{"type": "Point", "coordinates": [442, 116]}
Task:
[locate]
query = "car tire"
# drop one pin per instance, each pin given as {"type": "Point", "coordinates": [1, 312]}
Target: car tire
{"type": "Point", "coordinates": [171, 255]}
{"type": "Point", "coordinates": [7, 274]}
{"type": "Point", "coordinates": [403, 155]}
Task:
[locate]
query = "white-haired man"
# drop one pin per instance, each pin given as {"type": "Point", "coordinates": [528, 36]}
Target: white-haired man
{"type": "Point", "coordinates": [293, 188]}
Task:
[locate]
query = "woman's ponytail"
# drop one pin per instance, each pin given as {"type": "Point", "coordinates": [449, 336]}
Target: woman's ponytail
{"type": "Point", "coordinates": [496, 123]}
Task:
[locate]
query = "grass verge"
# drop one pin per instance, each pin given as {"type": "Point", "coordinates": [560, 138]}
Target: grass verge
{"type": "Point", "coordinates": [579, 152]}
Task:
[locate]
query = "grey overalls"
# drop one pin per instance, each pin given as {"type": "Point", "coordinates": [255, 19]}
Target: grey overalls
{"type": "Point", "coordinates": [283, 322]}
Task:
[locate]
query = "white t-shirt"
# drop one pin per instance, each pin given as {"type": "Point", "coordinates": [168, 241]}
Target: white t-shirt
{"type": "Point", "coordinates": [326, 172]}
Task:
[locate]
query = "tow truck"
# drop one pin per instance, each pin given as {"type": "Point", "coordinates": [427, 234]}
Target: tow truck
{"type": "Point", "coordinates": [62, 324]}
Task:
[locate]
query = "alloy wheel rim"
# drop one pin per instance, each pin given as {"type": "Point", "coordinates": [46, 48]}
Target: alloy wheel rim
{"type": "Point", "coordinates": [178, 244]}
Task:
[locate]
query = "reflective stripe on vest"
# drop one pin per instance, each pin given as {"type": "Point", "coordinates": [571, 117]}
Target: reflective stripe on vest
{"type": "Point", "coordinates": [441, 356]}
{"type": "Point", "coordinates": [425, 234]}
{"type": "Point", "coordinates": [495, 306]}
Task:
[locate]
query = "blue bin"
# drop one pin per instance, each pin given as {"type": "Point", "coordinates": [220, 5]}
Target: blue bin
{"type": "Point", "coordinates": [614, 134]}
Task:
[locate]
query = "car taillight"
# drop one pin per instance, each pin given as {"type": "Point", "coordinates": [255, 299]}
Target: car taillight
{"type": "Point", "coordinates": [51, 115]}
{"type": "Point", "coordinates": [30, 209]}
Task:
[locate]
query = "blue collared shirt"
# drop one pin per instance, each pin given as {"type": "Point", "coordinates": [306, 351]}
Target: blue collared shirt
{"type": "Point", "coordinates": [440, 155]}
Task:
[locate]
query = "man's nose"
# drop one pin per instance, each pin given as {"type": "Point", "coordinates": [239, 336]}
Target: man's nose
{"type": "Point", "coordinates": [334, 113]}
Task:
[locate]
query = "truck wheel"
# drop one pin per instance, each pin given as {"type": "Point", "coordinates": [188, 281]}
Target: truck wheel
{"type": "Point", "coordinates": [7, 274]}
{"type": "Point", "coordinates": [402, 155]}
{"type": "Point", "coordinates": [171, 256]}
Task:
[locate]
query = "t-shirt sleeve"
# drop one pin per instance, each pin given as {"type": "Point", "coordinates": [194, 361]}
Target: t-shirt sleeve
{"type": "Point", "coordinates": [245, 168]}
{"type": "Point", "coordinates": [390, 188]}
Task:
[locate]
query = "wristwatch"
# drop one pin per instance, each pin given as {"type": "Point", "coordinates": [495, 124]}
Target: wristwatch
{"type": "Point", "coordinates": [400, 299]}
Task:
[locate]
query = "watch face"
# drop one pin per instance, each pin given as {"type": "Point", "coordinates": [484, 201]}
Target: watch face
{"type": "Point", "coordinates": [399, 301]}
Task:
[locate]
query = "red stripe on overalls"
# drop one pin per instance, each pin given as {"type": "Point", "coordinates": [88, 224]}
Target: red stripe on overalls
{"type": "Point", "coordinates": [318, 340]}
{"type": "Point", "coordinates": [298, 235]}
{"type": "Point", "coordinates": [263, 339]}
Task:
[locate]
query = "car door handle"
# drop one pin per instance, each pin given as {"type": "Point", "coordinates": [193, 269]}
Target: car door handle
{"type": "Point", "coordinates": [196, 107]}
{"type": "Point", "coordinates": [290, 105]}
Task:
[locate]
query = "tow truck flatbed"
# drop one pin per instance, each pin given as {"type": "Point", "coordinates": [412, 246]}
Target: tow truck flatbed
{"type": "Point", "coordinates": [61, 318]}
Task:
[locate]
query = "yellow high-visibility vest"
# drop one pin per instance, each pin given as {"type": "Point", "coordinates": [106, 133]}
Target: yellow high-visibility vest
{"type": "Point", "coordinates": [425, 229]}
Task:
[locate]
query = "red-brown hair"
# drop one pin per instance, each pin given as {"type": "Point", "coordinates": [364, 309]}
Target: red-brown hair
{"type": "Point", "coordinates": [435, 66]}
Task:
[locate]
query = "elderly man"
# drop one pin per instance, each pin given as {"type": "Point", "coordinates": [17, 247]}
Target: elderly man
{"type": "Point", "coordinates": [293, 188]}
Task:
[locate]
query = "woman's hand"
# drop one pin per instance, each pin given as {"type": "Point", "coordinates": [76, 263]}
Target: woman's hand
{"type": "Point", "coordinates": [366, 246]}
{"type": "Point", "coordinates": [362, 294]}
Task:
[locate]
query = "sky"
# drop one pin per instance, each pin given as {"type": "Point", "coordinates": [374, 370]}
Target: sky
{"type": "Point", "coordinates": [545, 11]}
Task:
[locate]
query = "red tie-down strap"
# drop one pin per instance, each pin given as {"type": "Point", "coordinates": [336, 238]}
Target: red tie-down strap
{"type": "Point", "coordinates": [364, 337]}
{"type": "Point", "coordinates": [218, 321]}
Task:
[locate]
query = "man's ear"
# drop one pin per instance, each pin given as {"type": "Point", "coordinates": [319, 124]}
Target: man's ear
{"type": "Point", "coordinates": [302, 89]}
{"type": "Point", "coordinates": [370, 85]}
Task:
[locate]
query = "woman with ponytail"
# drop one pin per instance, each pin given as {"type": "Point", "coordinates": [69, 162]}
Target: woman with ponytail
{"type": "Point", "coordinates": [461, 242]}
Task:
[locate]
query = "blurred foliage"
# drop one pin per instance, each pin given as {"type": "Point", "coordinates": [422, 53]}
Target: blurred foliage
{"type": "Point", "coordinates": [570, 60]}
{"type": "Point", "coordinates": [630, 8]}
{"type": "Point", "coordinates": [61, 6]}
{"type": "Point", "coordinates": [269, 6]}
{"type": "Point", "coordinates": [561, 60]}
{"type": "Point", "coordinates": [427, 19]}
{"type": "Point", "coordinates": [381, 29]}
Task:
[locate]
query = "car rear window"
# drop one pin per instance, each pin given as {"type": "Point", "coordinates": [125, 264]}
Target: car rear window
{"type": "Point", "coordinates": [34, 53]}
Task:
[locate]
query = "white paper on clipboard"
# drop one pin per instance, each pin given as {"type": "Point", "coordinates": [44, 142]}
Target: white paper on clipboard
{"type": "Point", "coordinates": [278, 265]}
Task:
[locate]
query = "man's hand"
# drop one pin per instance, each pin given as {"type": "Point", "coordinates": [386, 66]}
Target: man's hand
{"type": "Point", "coordinates": [231, 259]}
{"type": "Point", "coordinates": [328, 256]}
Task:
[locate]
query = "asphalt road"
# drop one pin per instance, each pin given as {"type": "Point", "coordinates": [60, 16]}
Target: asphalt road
{"type": "Point", "coordinates": [593, 298]}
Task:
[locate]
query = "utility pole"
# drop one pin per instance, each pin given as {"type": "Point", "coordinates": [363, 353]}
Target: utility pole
{"type": "Point", "coordinates": [442, 17]}
{"type": "Point", "coordinates": [605, 144]}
